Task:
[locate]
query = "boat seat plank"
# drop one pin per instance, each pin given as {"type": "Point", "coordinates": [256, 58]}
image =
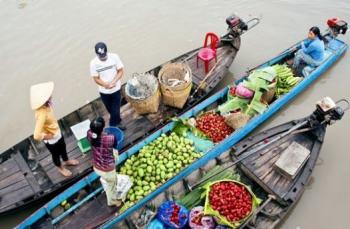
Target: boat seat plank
{"type": "Point", "coordinates": [8, 168]}
{"type": "Point", "coordinates": [15, 196]}
{"type": "Point", "coordinates": [84, 164]}
{"type": "Point", "coordinates": [8, 181]}
{"type": "Point", "coordinates": [13, 187]}
{"type": "Point", "coordinates": [47, 161]}
{"type": "Point", "coordinates": [89, 214]}
{"type": "Point", "coordinates": [27, 172]}
{"type": "Point", "coordinates": [87, 112]}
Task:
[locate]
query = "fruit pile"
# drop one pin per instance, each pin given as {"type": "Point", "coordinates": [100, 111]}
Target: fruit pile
{"type": "Point", "coordinates": [157, 162]}
{"type": "Point", "coordinates": [172, 215]}
{"type": "Point", "coordinates": [214, 126]}
{"type": "Point", "coordinates": [285, 79]}
{"type": "Point", "coordinates": [232, 200]}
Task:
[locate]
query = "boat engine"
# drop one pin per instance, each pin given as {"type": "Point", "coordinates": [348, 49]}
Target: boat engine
{"type": "Point", "coordinates": [236, 25]}
{"type": "Point", "coordinates": [327, 111]}
{"type": "Point", "coordinates": [337, 26]}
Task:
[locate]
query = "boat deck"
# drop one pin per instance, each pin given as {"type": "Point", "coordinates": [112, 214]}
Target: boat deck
{"type": "Point", "coordinates": [17, 182]}
{"type": "Point", "coordinates": [96, 212]}
{"type": "Point", "coordinates": [262, 165]}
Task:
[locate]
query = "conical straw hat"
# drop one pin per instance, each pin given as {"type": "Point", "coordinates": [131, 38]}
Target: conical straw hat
{"type": "Point", "coordinates": [40, 93]}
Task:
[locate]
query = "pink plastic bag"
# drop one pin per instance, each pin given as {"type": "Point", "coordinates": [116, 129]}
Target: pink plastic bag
{"type": "Point", "coordinates": [244, 92]}
{"type": "Point", "coordinates": [199, 221]}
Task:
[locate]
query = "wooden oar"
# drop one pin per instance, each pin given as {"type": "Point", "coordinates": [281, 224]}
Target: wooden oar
{"type": "Point", "coordinates": [203, 82]}
{"type": "Point", "coordinates": [257, 210]}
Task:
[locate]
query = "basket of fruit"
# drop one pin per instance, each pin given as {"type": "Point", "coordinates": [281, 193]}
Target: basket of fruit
{"type": "Point", "coordinates": [230, 202]}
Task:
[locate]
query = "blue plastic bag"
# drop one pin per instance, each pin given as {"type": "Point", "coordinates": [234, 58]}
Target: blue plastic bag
{"type": "Point", "coordinates": [156, 224]}
{"type": "Point", "coordinates": [165, 212]}
{"type": "Point", "coordinates": [201, 145]}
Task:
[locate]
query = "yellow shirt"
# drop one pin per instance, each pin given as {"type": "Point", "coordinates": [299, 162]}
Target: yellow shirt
{"type": "Point", "coordinates": [45, 123]}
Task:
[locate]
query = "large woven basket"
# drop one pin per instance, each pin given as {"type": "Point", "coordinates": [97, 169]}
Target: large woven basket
{"type": "Point", "coordinates": [145, 106]}
{"type": "Point", "coordinates": [175, 96]}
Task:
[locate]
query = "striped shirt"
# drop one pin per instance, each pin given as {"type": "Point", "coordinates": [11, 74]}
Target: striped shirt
{"type": "Point", "coordinates": [102, 151]}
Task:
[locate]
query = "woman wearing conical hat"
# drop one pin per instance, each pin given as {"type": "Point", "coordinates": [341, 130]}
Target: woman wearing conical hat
{"type": "Point", "coordinates": [47, 128]}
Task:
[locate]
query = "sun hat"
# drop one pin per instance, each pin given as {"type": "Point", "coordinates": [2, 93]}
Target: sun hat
{"type": "Point", "coordinates": [40, 93]}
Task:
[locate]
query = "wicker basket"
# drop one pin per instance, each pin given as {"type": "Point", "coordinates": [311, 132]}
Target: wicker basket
{"type": "Point", "coordinates": [236, 120]}
{"type": "Point", "coordinates": [175, 96]}
{"type": "Point", "coordinates": [145, 106]}
{"type": "Point", "coordinates": [270, 94]}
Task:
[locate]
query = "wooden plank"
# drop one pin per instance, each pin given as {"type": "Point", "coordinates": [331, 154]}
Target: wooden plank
{"type": "Point", "coordinates": [47, 163]}
{"type": "Point", "coordinates": [200, 71]}
{"type": "Point", "coordinates": [13, 187]}
{"type": "Point", "coordinates": [8, 181]}
{"type": "Point", "coordinates": [47, 160]}
{"type": "Point", "coordinates": [8, 168]}
{"type": "Point", "coordinates": [84, 165]}
{"type": "Point", "coordinates": [22, 164]}
{"type": "Point", "coordinates": [292, 159]}
{"type": "Point", "coordinates": [89, 214]}
{"type": "Point", "coordinates": [14, 197]}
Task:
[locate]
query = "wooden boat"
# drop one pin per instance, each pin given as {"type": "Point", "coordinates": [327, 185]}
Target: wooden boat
{"type": "Point", "coordinates": [255, 160]}
{"type": "Point", "coordinates": [27, 171]}
{"type": "Point", "coordinates": [91, 208]}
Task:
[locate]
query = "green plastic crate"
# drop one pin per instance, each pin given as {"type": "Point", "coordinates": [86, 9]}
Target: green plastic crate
{"type": "Point", "coordinates": [84, 145]}
{"type": "Point", "coordinates": [79, 130]}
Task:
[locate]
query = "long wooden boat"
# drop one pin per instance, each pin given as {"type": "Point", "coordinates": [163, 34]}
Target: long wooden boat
{"type": "Point", "coordinates": [27, 171]}
{"type": "Point", "coordinates": [91, 207]}
{"type": "Point", "coordinates": [254, 160]}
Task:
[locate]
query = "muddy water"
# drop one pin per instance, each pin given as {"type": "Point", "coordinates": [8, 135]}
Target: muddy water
{"type": "Point", "coordinates": [54, 40]}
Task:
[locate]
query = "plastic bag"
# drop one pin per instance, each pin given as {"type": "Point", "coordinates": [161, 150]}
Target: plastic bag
{"type": "Point", "coordinates": [141, 86]}
{"type": "Point", "coordinates": [156, 224]}
{"type": "Point", "coordinates": [197, 215]}
{"type": "Point", "coordinates": [172, 214]}
{"type": "Point", "coordinates": [123, 186]}
{"type": "Point", "coordinates": [244, 92]}
{"type": "Point", "coordinates": [145, 218]}
{"type": "Point", "coordinates": [200, 144]}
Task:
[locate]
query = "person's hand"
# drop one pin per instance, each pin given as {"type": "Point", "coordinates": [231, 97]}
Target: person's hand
{"type": "Point", "coordinates": [48, 136]}
{"type": "Point", "coordinates": [110, 85]}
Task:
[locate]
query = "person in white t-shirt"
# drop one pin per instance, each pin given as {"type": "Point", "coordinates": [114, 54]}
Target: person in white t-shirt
{"type": "Point", "coordinates": [107, 70]}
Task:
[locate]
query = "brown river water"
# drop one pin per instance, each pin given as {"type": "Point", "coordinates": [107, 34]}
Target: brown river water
{"type": "Point", "coordinates": [53, 40]}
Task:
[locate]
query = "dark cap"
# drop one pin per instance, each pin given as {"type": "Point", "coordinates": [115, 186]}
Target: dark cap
{"type": "Point", "coordinates": [101, 49]}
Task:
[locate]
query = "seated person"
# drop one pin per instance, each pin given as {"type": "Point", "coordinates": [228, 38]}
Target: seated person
{"type": "Point", "coordinates": [312, 50]}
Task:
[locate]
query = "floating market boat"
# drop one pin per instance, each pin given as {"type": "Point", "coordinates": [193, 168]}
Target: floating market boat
{"type": "Point", "coordinates": [27, 171]}
{"type": "Point", "coordinates": [275, 164]}
{"type": "Point", "coordinates": [86, 198]}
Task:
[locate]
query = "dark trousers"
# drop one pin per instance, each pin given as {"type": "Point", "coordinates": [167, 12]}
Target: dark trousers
{"type": "Point", "coordinates": [58, 150]}
{"type": "Point", "coordinates": [112, 104]}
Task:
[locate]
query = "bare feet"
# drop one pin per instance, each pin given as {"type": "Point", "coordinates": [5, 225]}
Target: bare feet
{"type": "Point", "coordinates": [71, 162]}
{"type": "Point", "coordinates": [65, 172]}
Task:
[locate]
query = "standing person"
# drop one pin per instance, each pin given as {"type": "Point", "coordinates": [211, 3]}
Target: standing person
{"type": "Point", "coordinates": [312, 50]}
{"type": "Point", "coordinates": [47, 128]}
{"type": "Point", "coordinates": [107, 70]}
{"type": "Point", "coordinates": [104, 158]}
